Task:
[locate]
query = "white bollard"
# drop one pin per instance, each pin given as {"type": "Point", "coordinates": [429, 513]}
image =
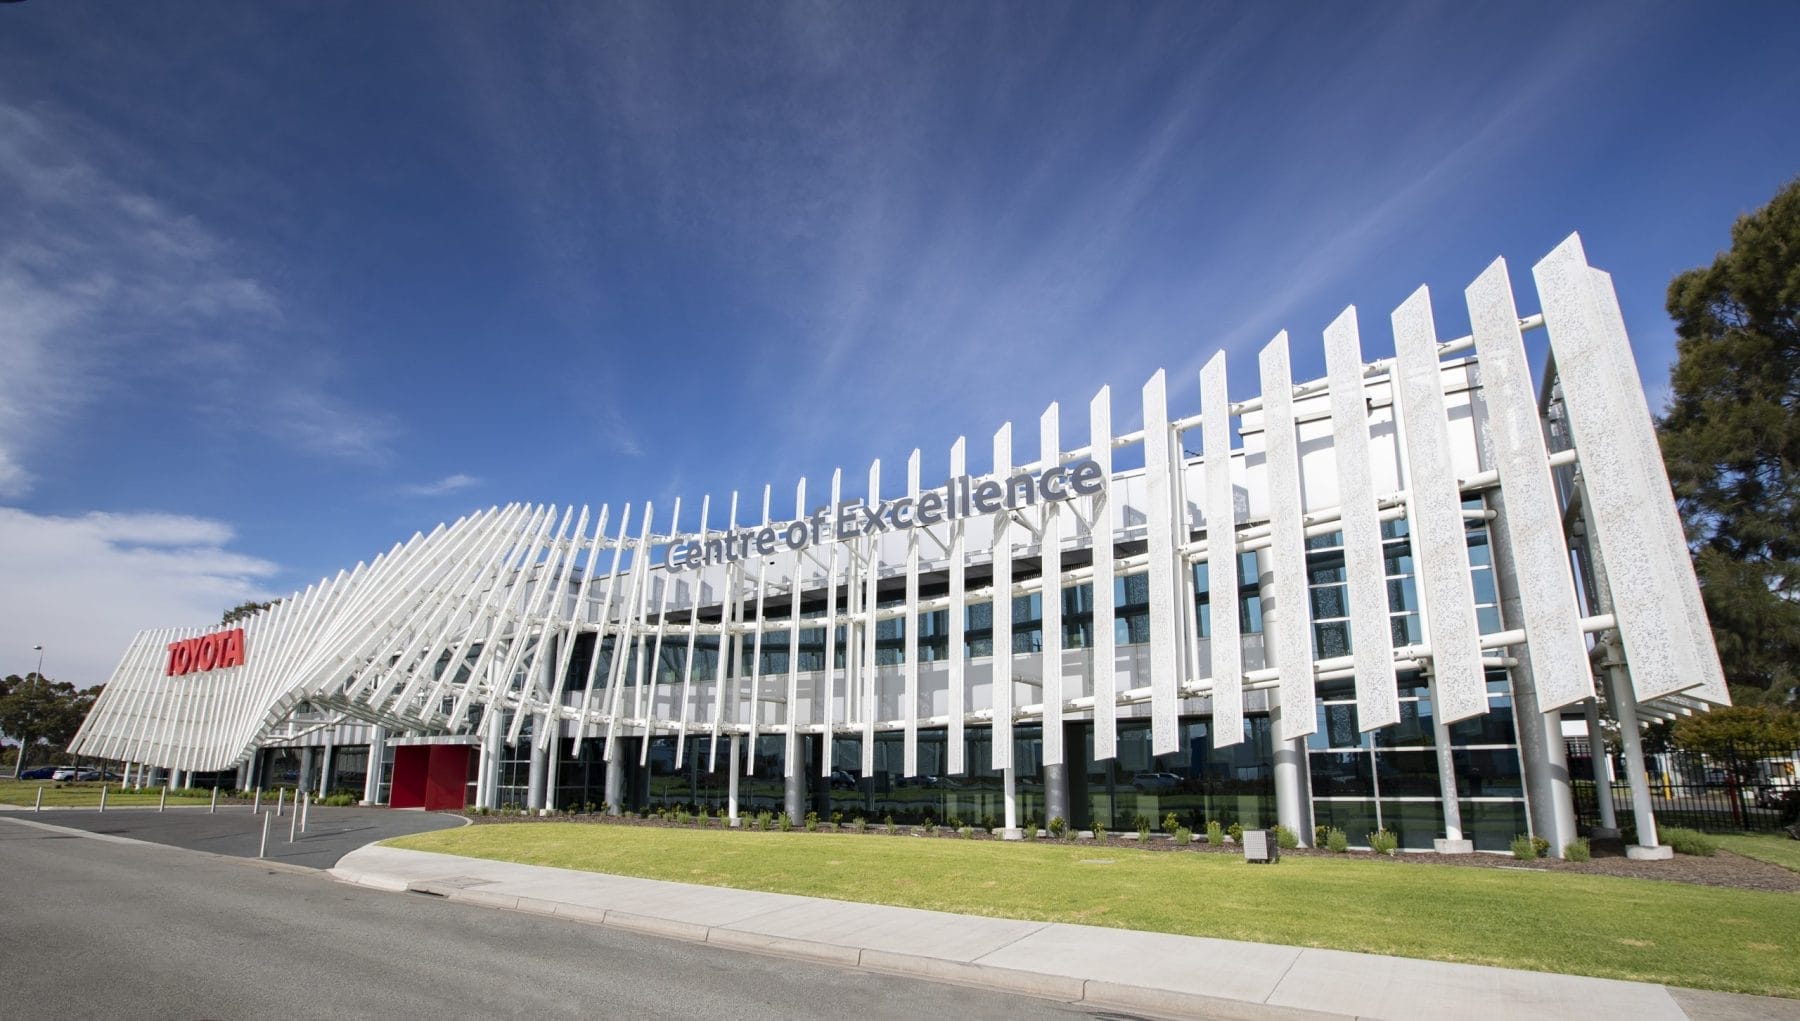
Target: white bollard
{"type": "Point", "coordinates": [305, 803]}
{"type": "Point", "coordinates": [280, 799]}
{"type": "Point", "coordinates": [256, 806]}
{"type": "Point", "coordinates": [293, 824]}
{"type": "Point", "coordinates": [163, 801]}
{"type": "Point", "coordinates": [103, 799]}
{"type": "Point", "coordinates": [212, 808]}
{"type": "Point", "coordinates": [38, 805]}
{"type": "Point", "coordinates": [262, 850]}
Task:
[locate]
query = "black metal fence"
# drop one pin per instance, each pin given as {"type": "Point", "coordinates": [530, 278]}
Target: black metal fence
{"type": "Point", "coordinates": [1745, 788]}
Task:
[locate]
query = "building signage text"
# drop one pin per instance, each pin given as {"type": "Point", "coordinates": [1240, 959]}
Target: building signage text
{"type": "Point", "coordinates": [963, 497]}
{"type": "Point", "coordinates": [208, 652]}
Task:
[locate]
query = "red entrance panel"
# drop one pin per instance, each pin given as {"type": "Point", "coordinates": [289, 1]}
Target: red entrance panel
{"type": "Point", "coordinates": [447, 781]}
{"type": "Point", "coordinates": [411, 765]}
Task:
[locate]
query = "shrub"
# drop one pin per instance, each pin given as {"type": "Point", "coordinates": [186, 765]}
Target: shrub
{"type": "Point", "coordinates": [965, 831]}
{"type": "Point", "coordinates": [1578, 850]}
{"type": "Point", "coordinates": [1057, 826]}
{"type": "Point", "coordinates": [1524, 848]}
{"type": "Point", "coordinates": [1286, 839]}
{"type": "Point", "coordinates": [1540, 845]}
{"type": "Point", "coordinates": [989, 823]}
{"type": "Point", "coordinates": [812, 822]}
{"type": "Point", "coordinates": [930, 826]}
{"type": "Point", "coordinates": [1236, 832]}
{"type": "Point", "coordinates": [837, 818]}
{"type": "Point", "coordinates": [1144, 830]}
{"type": "Point", "coordinates": [787, 822]}
{"type": "Point", "coordinates": [1183, 836]}
{"type": "Point", "coordinates": [1320, 835]}
{"type": "Point", "coordinates": [1335, 841]}
{"type": "Point", "coordinates": [1383, 842]}
{"type": "Point", "coordinates": [1215, 833]}
{"type": "Point", "coordinates": [1170, 823]}
{"type": "Point", "coordinates": [956, 822]}
{"type": "Point", "coordinates": [1140, 822]}
{"type": "Point", "coordinates": [1689, 842]}
{"type": "Point", "coordinates": [861, 825]}
{"type": "Point", "coordinates": [888, 821]}
{"type": "Point", "coordinates": [1100, 833]}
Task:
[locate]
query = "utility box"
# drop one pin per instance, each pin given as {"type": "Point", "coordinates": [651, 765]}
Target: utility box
{"type": "Point", "coordinates": [1261, 847]}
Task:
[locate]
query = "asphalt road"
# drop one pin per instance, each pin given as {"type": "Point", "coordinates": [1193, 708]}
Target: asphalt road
{"type": "Point", "coordinates": [330, 833]}
{"type": "Point", "coordinates": [103, 928]}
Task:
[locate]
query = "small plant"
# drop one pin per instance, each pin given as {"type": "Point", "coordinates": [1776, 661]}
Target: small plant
{"type": "Point", "coordinates": [989, 823]}
{"type": "Point", "coordinates": [812, 822]}
{"type": "Point", "coordinates": [860, 825]}
{"type": "Point", "coordinates": [1524, 848]}
{"type": "Point", "coordinates": [1320, 833]}
{"type": "Point", "coordinates": [965, 831]}
{"type": "Point", "coordinates": [930, 826]}
{"type": "Point", "coordinates": [1236, 832]}
{"type": "Point", "coordinates": [1144, 830]}
{"type": "Point", "coordinates": [1183, 836]}
{"type": "Point", "coordinates": [1383, 842]}
{"type": "Point", "coordinates": [1215, 833]}
{"type": "Point", "coordinates": [605, 808]}
{"type": "Point", "coordinates": [1578, 850]}
{"type": "Point", "coordinates": [1286, 839]}
{"type": "Point", "coordinates": [1689, 842]}
{"type": "Point", "coordinates": [1170, 823]}
{"type": "Point", "coordinates": [888, 821]}
{"type": "Point", "coordinates": [837, 819]}
{"type": "Point", "coordinates": [1335, 841]}
{"type": "Point", "coordinates": [787, 822]}
{"type": "Point", "coordinates": [1540, 845]}
{"type": "Point", "coordinates": [956, 822]}
{"type": "Point", "coordinates": [1057, 826]}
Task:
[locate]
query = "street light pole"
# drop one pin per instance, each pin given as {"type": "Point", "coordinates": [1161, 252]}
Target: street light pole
{"type": "Point", "coordinates": [40, 669]}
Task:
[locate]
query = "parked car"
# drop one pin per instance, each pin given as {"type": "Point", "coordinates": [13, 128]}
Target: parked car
{"type": "Point", "coordinates": [841, 779]}
{"type": "Point", "coordinates": [85, 773]}
{"type": "Point", "coordinates": [40, 773]}
{"type": "Point", "coordinates": [1156, 781]}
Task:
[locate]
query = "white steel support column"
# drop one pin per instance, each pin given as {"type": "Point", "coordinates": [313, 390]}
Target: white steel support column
{"type": "Point", "coordinates": [306, 764]}
{"type": "Point", "coordinates": [243, 775]}
{"type": "Point", "coordinates": [1625, 710]}
{"type": "Point", "coordinates": [372, 777]}
{"type": "Point", "coordinates": [1453, 841]}
{"type": "Point", "coordinates": [793, 785]}
{"type": "Point", "coordinates": [1009, 792]}
{"type": "Point", "coordinates": [1609, 821]}
{"type": "Point", "coordinates": [495, 741]}
{"type": "Point", "coordinates": [731, 789]}
{"type": "Point", "coordinates": [615, 786]}
{"type": "Point", "coordinates": [534, 797]}
{"type": "Point", "coordinates": [1290, 795]}
{"type": "Point", "coordinates": [325, 767]}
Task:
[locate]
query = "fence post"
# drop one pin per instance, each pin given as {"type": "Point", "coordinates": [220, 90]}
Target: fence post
{"type": "Point", "coordinates": [262, 850]}
{"type": "Point", "coordinates": [162, 800]}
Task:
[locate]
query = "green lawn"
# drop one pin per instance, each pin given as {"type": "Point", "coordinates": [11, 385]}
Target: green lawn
{"type": "Point", "coordinates": [1769, 847]}
{"type": "Point", "coordinates": [86, 795]}
{"type": "Point", "coordinates": [1735, 940]}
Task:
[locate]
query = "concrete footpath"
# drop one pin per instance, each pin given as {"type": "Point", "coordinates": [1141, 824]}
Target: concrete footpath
{"type": "Point", "coordinates": [1114, 969]}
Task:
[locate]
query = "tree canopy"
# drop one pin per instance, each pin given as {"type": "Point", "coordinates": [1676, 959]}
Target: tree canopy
{"type": "Point", "coordinates": [37, 710]}
{"type": "Point", "coordinates": [245, 609]}
{"type": "Point", "coordinates": [1731, 441]}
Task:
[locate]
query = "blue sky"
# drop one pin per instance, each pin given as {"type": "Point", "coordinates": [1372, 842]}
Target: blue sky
{"type": "Point", "coordinates": [280, 285]}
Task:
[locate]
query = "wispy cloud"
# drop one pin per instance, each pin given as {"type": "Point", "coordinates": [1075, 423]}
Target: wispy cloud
{"type": "Point", "coordinates": [448, 484]}
{"type": "Point", "coordinates": [113, 567]}
{"type": "Point", "coordinates": [104, 287]}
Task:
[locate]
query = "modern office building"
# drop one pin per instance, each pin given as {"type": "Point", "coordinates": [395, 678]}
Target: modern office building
{"type": "Point", "coordinates": [1364, 601]}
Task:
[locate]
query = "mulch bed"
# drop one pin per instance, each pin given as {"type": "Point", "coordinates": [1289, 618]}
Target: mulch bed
{"type": "Point", "coordinates": [1723, 869]}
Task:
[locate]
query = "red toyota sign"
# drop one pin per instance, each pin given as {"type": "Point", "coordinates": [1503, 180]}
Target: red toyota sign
{"type": "Point", "coordinates": [208, 652]}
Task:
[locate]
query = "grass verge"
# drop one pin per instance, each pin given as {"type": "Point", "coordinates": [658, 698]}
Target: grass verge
{"type": "Point", "coordinates": [1774, 848]}
{"type": "Point", "coordinates": [1644, 930]}
{"type": "Point", "coordinates": [87, 795]}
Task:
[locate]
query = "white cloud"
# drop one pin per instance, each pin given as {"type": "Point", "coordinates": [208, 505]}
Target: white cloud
{"type": "Point", "coordinates": [82, 587]}
{"type": "Point", "coordinates": [103, 287]}
{"type": "Point", "coordinates": [448, 484]}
